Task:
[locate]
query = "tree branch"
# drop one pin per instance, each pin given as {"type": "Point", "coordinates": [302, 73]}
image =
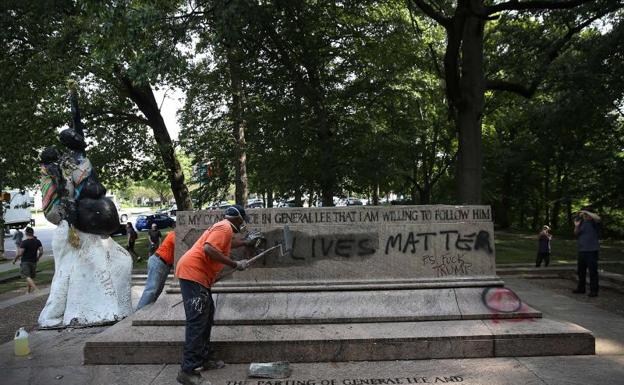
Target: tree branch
{"type": "Point", "coordinates": [515, 5]}
{"type": "Point", "coordinates": [415, 25]}
{"type": "Point", "coordinates": [508, 86]}
{"type": "Point", "coordinates": [552, 54]}
{"type": "Point", "coordinates": [432, 13]}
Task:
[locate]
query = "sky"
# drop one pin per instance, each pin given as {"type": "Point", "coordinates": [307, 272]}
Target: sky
{"type": "Point", "coordinates": [171, 101]}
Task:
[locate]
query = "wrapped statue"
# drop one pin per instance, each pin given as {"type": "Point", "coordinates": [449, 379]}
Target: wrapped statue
{"type": "Point", "coordinates": [91, 283]}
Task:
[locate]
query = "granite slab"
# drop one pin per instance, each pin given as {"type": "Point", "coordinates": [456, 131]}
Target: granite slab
{"type": "Point", "coordinates": [125, 344]}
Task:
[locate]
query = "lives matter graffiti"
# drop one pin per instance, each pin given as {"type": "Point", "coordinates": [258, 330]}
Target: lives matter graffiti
{"type": "Point", "coordinates": [453, 240]}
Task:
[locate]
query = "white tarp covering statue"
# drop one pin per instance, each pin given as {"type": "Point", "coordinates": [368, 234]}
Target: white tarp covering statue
{"type": "Point", "coordinates": [91, 283]}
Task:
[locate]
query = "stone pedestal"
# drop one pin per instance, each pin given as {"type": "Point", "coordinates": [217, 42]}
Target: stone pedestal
{"type": "Point", "coordinates": [365, 283]}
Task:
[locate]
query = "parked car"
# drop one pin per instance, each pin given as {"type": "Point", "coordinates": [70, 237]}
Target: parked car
{"type": "Point", "coordinates": [219, 205]}
{"type": "Point", "coordinates": [144, 222]}
{"type": "Point", "coordinates": [254, 204]}
{"type": "Point", "coordinates": [171, 210]}
{"type": "Point", "coordinates": [353, 202]}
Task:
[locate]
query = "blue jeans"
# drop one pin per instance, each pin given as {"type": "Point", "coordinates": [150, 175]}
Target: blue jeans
{"type": "Point", "coordinates": [199, 310]}
{"type": "Point", "coordinates": [157, 272]}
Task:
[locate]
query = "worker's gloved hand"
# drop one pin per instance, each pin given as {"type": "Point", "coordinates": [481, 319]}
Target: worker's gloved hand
{"type": "Point", "coordinates": [242, 265]}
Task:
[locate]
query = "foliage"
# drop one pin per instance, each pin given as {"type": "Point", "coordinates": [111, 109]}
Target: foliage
{"type": "Point", "coordinates": [333, 98]}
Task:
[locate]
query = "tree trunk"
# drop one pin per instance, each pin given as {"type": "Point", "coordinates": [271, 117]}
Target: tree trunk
{"type": "Point", "coordinates": [298, 195]}
{"type": "Point", "coordinates": [269, 198]}
{"type": "Point", "coordinates": [241, 189]}
{"type": "Point", "coordinates": [502, 213]}
{"type": "Point", "coordinates": [425, 193]}
{"type": "Point", "coordinates": [559, 188]}
{"type": "Point", "coordinates": [522, 212]}
{"type": "Point", "coordinates": [470, 109]}
{"type": "Point", "coordinates": [547, 193]}
{"type": "Point", "coordinates": [569, 213]}
{"type": "Point", "coordinates": [1, 224]}
{"type": "Point", "coordinates": [536, 217]}
{"type": "Point", "coordinates": [376, 195]}
{"type": "Point", "coordinates": [143, 97]}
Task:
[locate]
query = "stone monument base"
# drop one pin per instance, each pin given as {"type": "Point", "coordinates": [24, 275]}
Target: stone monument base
{"type": "Point", "coordinates": [367, 283]}
{"type": "Point", "coordinates": [318, 326]}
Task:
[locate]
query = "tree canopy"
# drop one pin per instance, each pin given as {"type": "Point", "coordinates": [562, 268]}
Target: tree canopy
{"type": "Point", "coordinates": [516, 104]}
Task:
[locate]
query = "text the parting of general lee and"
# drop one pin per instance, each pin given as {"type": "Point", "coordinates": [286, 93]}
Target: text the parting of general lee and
{"type": "Point", "coordinates": [408, 380]}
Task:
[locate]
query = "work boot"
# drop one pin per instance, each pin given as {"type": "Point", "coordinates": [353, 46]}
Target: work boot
{"type": "Point", "coordinates": [593, 294]}
{"type": "Point", "coordinates": [578, 291]}
{"type": "Point", "coordinates": [211, 364]}
{"type": "Point", "coordinates": [185, 378]}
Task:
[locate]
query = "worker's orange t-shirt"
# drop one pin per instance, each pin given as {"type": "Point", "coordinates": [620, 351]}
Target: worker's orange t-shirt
{"type": "Point", "coordinates": [195, 265]}
{"type": "Point", "coordinates": [167, 248]}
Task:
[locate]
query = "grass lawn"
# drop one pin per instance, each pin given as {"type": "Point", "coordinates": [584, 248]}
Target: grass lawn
{"type": "Point", "coordinates": [516, 247]}
{"type": "Point", "coordinates": [20, 284]}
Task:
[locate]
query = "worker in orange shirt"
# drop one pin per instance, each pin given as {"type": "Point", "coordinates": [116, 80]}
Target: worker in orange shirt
{"type": "Point", "coordinates": [158, 268]}
{"type": "Point", "coordinates": [197, 270]}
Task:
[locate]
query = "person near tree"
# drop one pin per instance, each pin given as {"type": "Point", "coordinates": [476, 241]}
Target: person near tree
{"type": "Point", "coordinates": [197, 271]}
{"type": "Point", "coordinates": [587, 231]}
{"type": "Point", "coordinates": [154, 236]}
{"type": "Point", "coordinates": [30, 251]}
{"type": "Point", "coordinates": [543, 247]}
{"type": "Point", "coordinates": [132, 237]}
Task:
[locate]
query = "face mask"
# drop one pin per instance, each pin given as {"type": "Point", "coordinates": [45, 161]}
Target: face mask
{"type": "Point", "coordinates": [239, 229]}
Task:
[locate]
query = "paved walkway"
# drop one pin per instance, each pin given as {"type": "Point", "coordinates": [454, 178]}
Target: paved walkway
{"type": "Point", "coordinates": [57, 358]}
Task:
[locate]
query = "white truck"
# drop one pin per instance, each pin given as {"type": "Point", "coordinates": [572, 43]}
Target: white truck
{"type": "Point", "coordinates": [16, 206]}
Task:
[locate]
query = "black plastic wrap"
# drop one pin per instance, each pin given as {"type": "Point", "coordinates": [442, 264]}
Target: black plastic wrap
{"type": "Point", "coordinates": [97, 216]}
{"type": "Point", "coordinates": [92, 189]}
{"type": "Point", "coordinates": [73, 140]}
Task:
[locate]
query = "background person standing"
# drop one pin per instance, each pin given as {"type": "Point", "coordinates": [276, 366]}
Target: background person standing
{"type": "Point", "coordinates": [154, 236]}
{"type": "Point", "coordinates": [587, 230]}
{"type": "Point", "coordinates": [132, 237]}
{"type": "Point", "coordinates": [543, 247]}
{"type": "Point", "coordinates": [30, 251]}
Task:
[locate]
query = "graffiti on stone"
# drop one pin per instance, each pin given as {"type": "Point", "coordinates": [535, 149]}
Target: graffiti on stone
{"type": "Point", "coordinates": [405, 241]}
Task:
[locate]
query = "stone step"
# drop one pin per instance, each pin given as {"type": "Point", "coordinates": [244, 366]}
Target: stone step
{"type": "Point", "coordinates": [127, 344]}
{"type": "Point", "coordinates": [344, 307]}
{"type": "Point", "coordinates": [551, 270]}
{"type": "Point", "coordinates": [239, 286]}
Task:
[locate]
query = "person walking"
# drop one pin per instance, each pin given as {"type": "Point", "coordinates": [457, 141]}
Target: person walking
{"type": "Point", "coordinates": [17, 239]}
{"type": "Point", "coordinates": [543, 247]}
{"type": "Point", "coordinates": [158, 268]}
{"type": "Point", "coordinates": [29, 251]}
{"type": "Point", "coordinates": [154, 236]}
{"type": "Point", "coordinates": [197, 271]}
{"type": "Point", "coordinates": [587, 230]}
{"type": "Point", "coordinates": [132, 237]}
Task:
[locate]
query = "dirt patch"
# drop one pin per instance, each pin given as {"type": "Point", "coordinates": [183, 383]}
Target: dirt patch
{"type": "Point", "coordinates": [23, 314]}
